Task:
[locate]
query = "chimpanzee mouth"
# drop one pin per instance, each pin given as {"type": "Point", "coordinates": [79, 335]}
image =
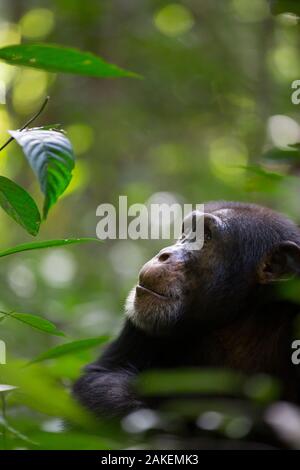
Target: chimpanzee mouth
{"type": "Point", "coordinates": [143, 289]}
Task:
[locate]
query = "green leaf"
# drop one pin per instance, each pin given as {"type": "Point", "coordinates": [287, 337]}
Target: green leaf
{"type": "Point", "coordinates": [43, 393]}
{"type": "Point", "coordinates": [263, 388]}
{"type": "Point", "coordinates": [50, 155]}
{"type": "Point", "coordinates": [206, 381]}
{"type": "Point", "coordinates": [45, 244]}
{"type": "Point", "coordinates": [295, 146]}
{"type": "Point", "coordinates": [55, 58]}
{"type": "Point", "coordinates": [19, 205]}
{"type": "Point", "coordinates": [36, 322]}
{"type": "Point", "coordinates": [259, 171]}
{"type": "Point", "coordinates": [70, 348]}
{"type": "Point", "coordinates": [17, 434]}
{"type": "Point", "coordinates": [285, 6]}
{"type": "Point", "coordinates": [74, 440]}
{"type": "Point", "coordinates": [278, 154]}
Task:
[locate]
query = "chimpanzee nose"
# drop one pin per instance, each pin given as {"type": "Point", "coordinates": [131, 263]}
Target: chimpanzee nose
{"type": "Point", "coordinates": [164, 255]}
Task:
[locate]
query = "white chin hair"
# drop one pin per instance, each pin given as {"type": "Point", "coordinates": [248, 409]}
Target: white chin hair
{"type": "Point", "coordinates": [154, 316]}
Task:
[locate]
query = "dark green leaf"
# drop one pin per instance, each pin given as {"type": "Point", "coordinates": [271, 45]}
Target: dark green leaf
{"type": "Point", "coordinates": [36, 322]}
{"type": "Point", "coordinates": [295, 146]}
{"type": "Point", "coordinates": [262, 388]}
{"type": "Point", "coordinates": [50, 155]}
{"type": "Point", "coordinates": [285, 6]}
{"type": "Point", "coordinates": [259, 171]}
{"type": "Point", "coordinates": [70, 348]}
{"type": "Point", "coordinates": [17, 434]}
{"type": "Point", "coordinates": [74, 440]}
{"type": "Point", "coordinates": [189, 381]}
{"type": "Point", "coordinates": [39, 391]}
{"type": "Point", "coordinates": [19, 205]}
{"type": "Point", "coordinates": [45, 244]}
{"type": "Point", "coordinates": [55, 58]}
{"type": "Point", "coordinates": [283, 154]}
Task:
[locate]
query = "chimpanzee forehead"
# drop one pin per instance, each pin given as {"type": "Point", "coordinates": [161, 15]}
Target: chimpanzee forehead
{"type": "Point", "coordinates": [223, 213]}
{"type": "Point", "coordinates": [252, 219]}
{"type": "Point", "coordinates": [214, 206]}
{"type": "Point", "coordinates": [238, 210]}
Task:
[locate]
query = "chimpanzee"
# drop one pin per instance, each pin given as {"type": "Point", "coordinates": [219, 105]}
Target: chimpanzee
{"type": "Point", "coordinates": [218, 306]}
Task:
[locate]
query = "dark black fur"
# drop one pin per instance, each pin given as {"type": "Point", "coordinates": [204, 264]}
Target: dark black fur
{"type": "Point", "coordinates": [230, 318]}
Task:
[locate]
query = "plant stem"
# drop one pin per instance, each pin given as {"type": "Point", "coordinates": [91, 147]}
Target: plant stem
{"type": "Point", "coordinates": [4, 420]}
{"type": "Point", "coordinates": [28, 122]}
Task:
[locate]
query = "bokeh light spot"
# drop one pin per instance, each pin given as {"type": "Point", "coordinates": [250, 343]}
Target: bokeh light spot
{"type": "Point", "coordinates": [30, 87]}
{"type": "Point", "coordinates": [37, 23]}
{"type": "Point", "coordinates": [140, 421]}
{"type": "Point", "coordinates": [253, 11]}
{"type": "Point", "coordinates": [283, 130]}
{"type": "Point", "coordinates": [21, 279]}
{"type": "Point", "coordinates": [81, 136]}
{"type": "Point", "coordinates": [126, 258]}
{"type": "Point", "coordinates": [210, 420]}
{"type": "Point", "coordinates": [58, 268]}
{"type": "Point", "coordinates": [227, 157]}
{"type": "Point", "coordinates": [173, 20]}
{"type": "Point", "coordinates": [284, 62]}
{"type": "Point", "coordinates": [238, 427]}
{"type": "Point", "coordinates": [9, 34]}
{"type": "Point", "coordinates": [80, 178]}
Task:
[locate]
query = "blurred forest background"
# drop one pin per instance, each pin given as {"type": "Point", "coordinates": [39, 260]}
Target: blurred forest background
{"type": "Point", "coordinates": [211, 119]}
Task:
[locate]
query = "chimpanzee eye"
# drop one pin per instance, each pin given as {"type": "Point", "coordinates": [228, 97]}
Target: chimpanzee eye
{"type": "Point", "coordinates": [207, 234]}
{"type": "Point", "coordinates": [190, 229]}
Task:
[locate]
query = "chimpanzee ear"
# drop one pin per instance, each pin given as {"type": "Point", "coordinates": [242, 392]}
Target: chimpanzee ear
{"type": "Point", "coordinates": [281, 264]}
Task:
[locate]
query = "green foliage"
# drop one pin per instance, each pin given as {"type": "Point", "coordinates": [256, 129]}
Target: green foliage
{"type": "Point", "coordinates": [73, 441]}
{"type": "Point", "coordinates": [291, 155]}
{"type": "Point", "coordinates": [50, 155]}
{"type": "Point", "coordinates": [265, 174]}
{"type": "Point", "coordinates": [285, 6]}
{"type": "Point", "coordinates": [44, 244]}
{"type": "Point", "coordinates": [39, 391]}
{"type": "Point", "coordinates": [70, 348]}
{"type": "Point", "coordinates": [263, 388]}
{"type": "Point", "coordinates": [15, 433]}
{"type": "Point", "coordinates": [19, 205]}
{"type": "Point", "coordinates": [175, 382]}
{"type": "Point", "coordinates": [197, 129]}
{"type": "Point", "coordinates": [34, 321]}
{"type": "Point", "coordinates": [56, 58]}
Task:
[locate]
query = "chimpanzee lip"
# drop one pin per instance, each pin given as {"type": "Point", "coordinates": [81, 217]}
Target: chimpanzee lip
{"type": "Point", "coordinates": [140, 288]}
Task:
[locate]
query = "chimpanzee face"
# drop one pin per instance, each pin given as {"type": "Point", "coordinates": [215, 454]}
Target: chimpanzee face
{"type": "Point", "coordinates": [207, 286]}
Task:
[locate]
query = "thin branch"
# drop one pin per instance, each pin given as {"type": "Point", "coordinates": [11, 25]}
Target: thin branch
{"type": "Point", "coordinates": [3, 403]}
{"type": "Point", "coordinates": [28, 122]}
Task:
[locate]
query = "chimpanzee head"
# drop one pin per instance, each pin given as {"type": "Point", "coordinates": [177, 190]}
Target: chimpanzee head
{"type": "Point", "coordinates": [244, 248]}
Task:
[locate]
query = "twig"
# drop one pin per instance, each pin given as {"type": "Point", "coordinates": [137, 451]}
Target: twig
{"type": "Point", "coordinates": [4, 421]}
{"type": "Point", "coordinates": [28, 122]}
